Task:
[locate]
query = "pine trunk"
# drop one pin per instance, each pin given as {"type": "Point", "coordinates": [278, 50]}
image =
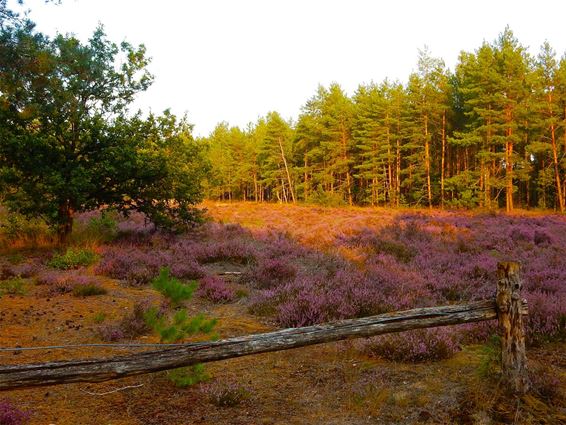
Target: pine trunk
{"type": "Point", "coordinates": [427, 163]}
{"type": "Point", "coordinates": [442, 159]}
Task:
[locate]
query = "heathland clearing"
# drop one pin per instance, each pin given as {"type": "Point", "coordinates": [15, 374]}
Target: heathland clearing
{"type": "Point", "coordinates": [291, 266]}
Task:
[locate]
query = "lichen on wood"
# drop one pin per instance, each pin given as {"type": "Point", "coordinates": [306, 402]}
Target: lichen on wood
{"type": "Point", "coordinates": [510, 312]}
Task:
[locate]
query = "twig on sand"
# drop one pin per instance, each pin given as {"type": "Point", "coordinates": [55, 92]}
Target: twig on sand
{"type": "Point", "coordinates": [113, 391]}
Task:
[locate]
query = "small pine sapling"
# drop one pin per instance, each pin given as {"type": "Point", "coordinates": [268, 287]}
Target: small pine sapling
{"type": "Point", "coordinates": [172, 288]}
{"type": "Point", "coordinates": [179, 326]}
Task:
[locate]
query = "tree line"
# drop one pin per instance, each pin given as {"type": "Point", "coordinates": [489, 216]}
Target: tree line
{"type": "Point", "coordinates": [490, 134]}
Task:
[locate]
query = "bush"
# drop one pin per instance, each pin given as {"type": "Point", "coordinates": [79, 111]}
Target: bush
{"type": "Point", "coordinates": [58, 283]}
{"type": "Point", "coordinates": [270, 273]}
{"type": "Point", "coordinates": [13, 286]}
{"type": "Point", "coordinates": [226, 394]}
{"type": "Point", "coordinates": [130, 327]}
{"type": "Point", "coordinates": [103, 228]}
{"type": "Point", "coordinates": [50, 278]}
{"type": "Point", "coordinates": [15, 227]}
{"type": "Point", "coordinates": [415, 346]}
{"type": "Point", "coordinates": [171, 288]}
{"type": "Point", "coordinates": [88, 289]}
{"type": "Point", "coordinates": [215, 289]}
{"type": "Point", "coordinates": [138, 267]}
{"type": "Point", "coordinates": [64, 286]}
{"type": "Point", "coordinates": [19, 270]}
{"type": "Point", "coordinates": [73, 258]}
{"type": "Point", "coordinates": [327, 199]}
{"type": "Point", "coordinates": [11, 415]}
{"type": "Point", "coordinates": [546, 384]}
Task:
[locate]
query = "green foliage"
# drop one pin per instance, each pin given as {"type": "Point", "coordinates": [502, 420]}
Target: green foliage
{"type": "Point", "coordinates": [172, 288]}
{"type": "Point", "coordinates": [488, 135]}
{"type": "Point", "coordinates": [178, 326]}
{"type": "Point", "coordinates": [16, 227]}
{"type": "Point", "coordinates": [187, 376]}
{"type": "Point", "coordinates": [68, 143]}
{"type": "Point", "coordinates": [101, 229]}
{"type": "Point", "coordinates": [73, 258]}
{"type": "Point", "coordinates": [464, 190]}
{"type": "Point", "coordinates": [99, 317]}
{"type": "Point", "coordinates": [490, 364]}
{"type": "Point", "coordinates": [327, 199]}
{"type": "Point", "coordinates": [13, 286]}
{"type": "Point", "coordinates": [88, 290]}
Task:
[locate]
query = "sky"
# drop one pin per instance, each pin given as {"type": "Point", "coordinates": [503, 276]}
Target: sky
{"type": "Point", "coordinates": [236, 60]}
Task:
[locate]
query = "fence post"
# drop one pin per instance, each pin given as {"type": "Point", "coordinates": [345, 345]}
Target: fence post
{"type": "Point", "coordinates": [510, 317]}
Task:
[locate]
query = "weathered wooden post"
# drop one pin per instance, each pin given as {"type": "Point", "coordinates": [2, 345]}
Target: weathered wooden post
{"type": "Point", "coordinates": [510, 317]}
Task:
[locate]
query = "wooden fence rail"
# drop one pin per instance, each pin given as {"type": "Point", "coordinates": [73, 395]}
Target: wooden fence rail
{"type": "Point", "coordinates": [507, 306]}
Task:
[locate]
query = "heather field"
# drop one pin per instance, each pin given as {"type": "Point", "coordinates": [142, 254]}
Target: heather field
{"type": "Point", "coordinates": [256, 267]}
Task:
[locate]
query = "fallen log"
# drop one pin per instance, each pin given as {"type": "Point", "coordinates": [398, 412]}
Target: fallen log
{"type": "Point", "coordinates": [98, 370]}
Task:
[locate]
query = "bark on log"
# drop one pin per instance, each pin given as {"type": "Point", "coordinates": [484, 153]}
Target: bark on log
{"type": "Point", "coordinates": [510, 316]}
{"type": "Point", "coordinates": [98, 370]}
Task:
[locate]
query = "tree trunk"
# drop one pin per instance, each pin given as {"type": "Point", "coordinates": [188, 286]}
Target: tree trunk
{"type": "Point", "coordinates": [508, 175]}
{"type": "Point", "coordinates": [344, 140]}
{"type": "Point", "coordinates": [287, 170]}
{"type": "Point", "coordinates": [398, 174]}
{"type": "Point", "coordinates": [556, 169]}
{"type": "Point", "coordinates": [65, 219]}
{"type": "Point", "coordinates": [306, 186]}
{"type": "Point", "coordinates": [427, 162]}
{"type": "Point", "coordinates": [443, 158]}
{"type": "Point", "coordinates": [389, 169]}
{"type": "Point", "coordinates": [255, 187]}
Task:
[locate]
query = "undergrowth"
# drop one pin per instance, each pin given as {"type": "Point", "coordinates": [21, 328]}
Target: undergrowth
{"type": "Point", "coordinates": [13, 286]}
{"type": "Point", "coordinates": [73, 258]}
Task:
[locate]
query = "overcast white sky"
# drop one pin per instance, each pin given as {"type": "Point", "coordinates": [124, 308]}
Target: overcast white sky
{"type": "Point", "coordinates": [235, 60]}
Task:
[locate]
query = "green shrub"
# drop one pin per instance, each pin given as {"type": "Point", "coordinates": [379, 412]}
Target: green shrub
{"type": "Point", "coordinates": [175, 326]}
{"type": "Point", "coordinates": [88, 290]}
{"type": "Point", "coordinates": [172, 288]}
{"type": "Point", "coordinates": [327, 199]}
{"type": "Point", "coordinates": [187, 376]}
{"type": "Point", "coordinates": [15, 227]}
{"type": "Point", "coordinates": [13, 286]}
{"type": "Point", "coordinates": [101, 229]}
{"type": "Point", "coordinates": [73, 258]}
{"type": "Point", "coordinates": [179, 326]}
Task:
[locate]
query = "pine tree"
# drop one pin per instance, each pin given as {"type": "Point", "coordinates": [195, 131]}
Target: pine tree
{"type": "Point", "coordinates": [547, 111]}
